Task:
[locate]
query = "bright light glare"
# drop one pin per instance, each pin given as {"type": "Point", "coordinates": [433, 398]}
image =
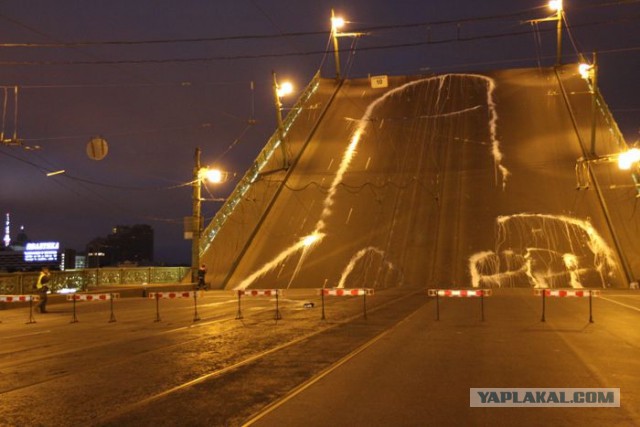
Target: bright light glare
{"type": "Point", "coordinates": [311, 239]}
{"type": "Point", "coordinates": [215, 176]}
{"type": "Point", "coordinates": [585, 70]}
{"type": "Point", "coordinates": [628, 158]}
{"type": "Point", "coordinates": [337, 22]}
{"type": "Point", "coordinates": [284, 89]}
{"type": "Point", "coordinates": [555, 5]}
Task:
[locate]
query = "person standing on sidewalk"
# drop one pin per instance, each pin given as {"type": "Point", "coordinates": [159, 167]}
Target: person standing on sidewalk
{"type": "Point", "coordinates": [43, 289]}
{"type": "Point", "coordinates": [202, 272]}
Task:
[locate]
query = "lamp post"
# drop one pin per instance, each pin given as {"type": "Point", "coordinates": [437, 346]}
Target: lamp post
{"type": "Point", "coordinates": [278, 92]}
{"type": "Point", "coordinates": [215, 176]}
{"type": "Point", "coordinates": [196, 226]}
{"type": "Point", "coordinates": [336, 24]}
{"type": "Point", "coordinates": [557, 6]}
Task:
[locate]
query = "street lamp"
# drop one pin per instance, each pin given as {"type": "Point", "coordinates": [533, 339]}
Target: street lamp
{"type": "Point", "coordinates": [337, 23]}
{"type": "Point", "coordinates": [556, 6]}
{"type": "Point", "coordinates": [200, 174]}
{"type": "Point", "coordinates": [628, 158]}
{"type": "Point", "coordinates": [280, 90]}
{"type": "Point", "coordinates": [589, 72]}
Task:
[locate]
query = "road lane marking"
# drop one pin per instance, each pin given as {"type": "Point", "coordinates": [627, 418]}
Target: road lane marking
{"type": "Point", "coordinates": [621, 303]}
{"type": "Point", "coordinates": [302, 387]}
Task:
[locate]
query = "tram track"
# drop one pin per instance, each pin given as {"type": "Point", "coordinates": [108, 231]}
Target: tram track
{"type": "Point", "coordinates": [114, 383]}
{"type": "Point", "coordinates": [220, 378]}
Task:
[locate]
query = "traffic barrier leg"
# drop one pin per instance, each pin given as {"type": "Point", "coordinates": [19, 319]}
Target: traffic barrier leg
{"type": "Point", "coordinates": [31, 319]}
{"type": "Point", "coordinates": [239, 314]}
{"type": "Point", "coordinates": [112, 318]}
{"type": "Point", "coordinates": [278, 316]}
{"type": "Point", "coordinates": [364, 298]}
{"type": "Point", "coordinates": [157, 307]}
{"type": "Point", "coordinates": [195, 306]}
{"type": "Point", "coordinates": [74, 319]}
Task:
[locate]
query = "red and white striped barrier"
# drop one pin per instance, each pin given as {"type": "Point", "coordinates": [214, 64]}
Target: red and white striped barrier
{"type": "Point", "coordinates": [260, 292]}
{"type": "Point", "coordinates": [92, 297]}
{"type": "Point", "coordinates": [19, 298]}
{"type": "Point", "coordinates": [177, 295]}
{"type": "Point", "coordinates": [174, 295]}
{"type": "Point", "coordinates": [577, 293]}
{"type": "Point", "coordinates": [459, 293]}
{"type": "Point", "coordinates": [340, 292]}
{"type": "Point", "coordinates": [566, 292]}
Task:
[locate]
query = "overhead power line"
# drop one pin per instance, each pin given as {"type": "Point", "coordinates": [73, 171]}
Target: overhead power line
{"type": "Point", "coordinates": [280, 35]}
{"type": "Point", "coordinates": [456, 39]}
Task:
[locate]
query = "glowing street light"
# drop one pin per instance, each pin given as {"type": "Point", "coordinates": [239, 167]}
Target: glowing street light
{"type": "Point", "coordinates": [280, 90]}
{"type": "Point", "coordinates": [628, 158]}
{"type": "Point", "coordinates": [589, 72]}
{"type": "Point", "coordinates": [586, 71]}
{"type": "Point", "coordinates": [214, 176]}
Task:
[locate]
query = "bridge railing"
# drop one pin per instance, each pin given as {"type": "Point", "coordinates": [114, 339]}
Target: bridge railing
{"type": "Point", "coordinates": [253, 172]}
{"type": "Point", "coordinates": [82, 279]}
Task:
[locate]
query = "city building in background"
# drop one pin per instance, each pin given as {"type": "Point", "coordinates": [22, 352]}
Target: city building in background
{"type": "Point", "coordinates": [125, 246]}
{"type": "Point", "coordinates": [130, 245]}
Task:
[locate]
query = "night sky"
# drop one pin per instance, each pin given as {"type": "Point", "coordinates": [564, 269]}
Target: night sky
{"type": "Point", "coordinates": [158, 78]}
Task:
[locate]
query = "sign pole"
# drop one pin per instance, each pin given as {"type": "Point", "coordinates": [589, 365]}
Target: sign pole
{"type": "Point", "coordinates": [544, 291]}
{"type": "Point", "coordinates": [590, 307]}
{"type": "Point", "coordinates": [322, 298]}
{"type": "Point", "coordinates": [437, 305]}
{"type": "Point", "coordinates": [482, 304]}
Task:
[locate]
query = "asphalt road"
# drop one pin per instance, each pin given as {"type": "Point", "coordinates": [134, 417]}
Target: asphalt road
{"type": "Point", "coordinates": [421, 371]}
{"type": "Point", "coordinates": [397, 367]}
